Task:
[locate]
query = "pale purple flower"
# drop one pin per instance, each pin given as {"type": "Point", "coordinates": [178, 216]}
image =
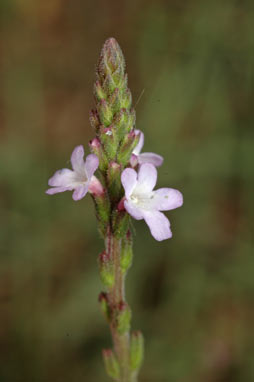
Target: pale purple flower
{"type": "Point", "coordinates": [142, 202]}
{"type": "Point", "coordinates": [137, 158]}
{"type": "Point", "coordinates": [80, 179]}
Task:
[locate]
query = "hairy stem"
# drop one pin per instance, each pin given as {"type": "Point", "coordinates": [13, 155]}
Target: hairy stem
{"type": "Point", "coordinates": [116, 297]}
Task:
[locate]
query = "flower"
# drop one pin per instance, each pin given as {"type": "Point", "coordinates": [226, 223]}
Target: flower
{"type": "Point", "coordinates": [142, 202]}
{"type": "Point", "coordinates": [136, 157]}
{"type": "Point", "coordinates": [80, 179]}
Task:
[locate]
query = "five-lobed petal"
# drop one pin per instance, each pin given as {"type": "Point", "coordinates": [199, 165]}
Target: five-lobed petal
{"type": "Point", "coordinates": [142, 202]}
{"type": "Point", "coordinates": [78, 179]}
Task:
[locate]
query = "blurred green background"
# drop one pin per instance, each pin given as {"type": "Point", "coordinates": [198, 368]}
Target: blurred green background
{"type": "Point", "coordinates": [192, 296]}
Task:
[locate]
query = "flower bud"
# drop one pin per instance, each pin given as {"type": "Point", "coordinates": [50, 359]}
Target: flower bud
{"type": "Point", "coordinates": [120, 206]}
{"type": "Point", "coordinates": [115, 101]}
{"type": "Point", "coordinates": [123, 318]}
{"type": "Point", "coordinates": [95, 146]}
{"type": "Point", "coordinates": [105, 112]}
{"type": "Point", "coordinates": [114, 180]}
{"type": "Point", "coordinates": [126, 253]}
{"type": "Point", "coordinates": [122, 124]}
{"type": "Point", "coordinates": [109, 84]}
{"type": "Point", "coordinates": [97, 149]}
{"type": "Point", "coordinates": [120, 222]}
{"type": "Point", "coordinates": [132, 118]}
{"type": "Point", "coordinates": [129, 143]}
{"type": "Point", "coordinates": [98, 91]}
{"type": "Point", "coordinates": [111, 364]}
{"type": "Point", "coordinates": [136, 350]}
{"type": "Point", "coordinates": [110, 141]}
{"type": "Point", "coordinates": [111, 57]}
{"type": "Point", "coordinates": [111, 66]}
{"type": "Point", "coordinates": [94, 119]}
{"type": "Point", "coordinates": [126, 99]}
{"type": "Point", "coordinates": [105, 308]}
{"type": "Point", "coordinates": [106, 267]}
{"type": "Point", "coordinates": [120, 79]}
{"type": "Point", "coordinates": [102, 208]}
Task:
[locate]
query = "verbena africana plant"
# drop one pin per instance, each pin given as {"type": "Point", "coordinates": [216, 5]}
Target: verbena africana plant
{"type": "Point", "coordinates": [124, 187]}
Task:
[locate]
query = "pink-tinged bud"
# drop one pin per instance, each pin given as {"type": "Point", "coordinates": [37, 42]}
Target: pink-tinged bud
{"type": "Point", "coordinates": [134, 160]}
{"type": "Point", "coordinates": [108, 131]}
{"type": "Point", "coordinates": [95, 144]}
{"type": "Point", "coordinates": [114, 166]}
{"type": "Point", "coordinates": [96, 148]}
{"type": "Point", "coordinates": [95, 187]}
{"type": "Point", "coordinates": [120, 206]}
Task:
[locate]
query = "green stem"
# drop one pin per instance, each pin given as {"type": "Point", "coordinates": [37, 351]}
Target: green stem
{"type": "Point", "coordinates": [117, 296]}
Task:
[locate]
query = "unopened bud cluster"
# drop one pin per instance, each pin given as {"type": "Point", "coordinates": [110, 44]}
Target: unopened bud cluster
{"type": "Point", "coordinates": [113, 121]}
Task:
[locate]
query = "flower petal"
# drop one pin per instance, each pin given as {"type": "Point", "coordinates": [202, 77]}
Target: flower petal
{"type": "Point", "coordinates": [91, 165]}
{"type": "Point", "coordinates": [166, 199]}
{"type": "Point", "coordinates": [62, 178]}
{"type": "Point", "coordinates": [147, 177]}
{"type": "Point", "coordinates": [77, 159]}
{"type": "Point", "coordinates": [129, 181]}
{"type": "Point", "coordinates": [56, 190]}
{"type": "Point", "coordinates": [140, 144]}
{"type": "Point", "coordinates": [159, 225]}
{"type": "Point", "coordinates": [152, 158]}
{"type": "Point", "coordinates": [80, 192]}
{"type": "Point", "coordinates": [133, 210]}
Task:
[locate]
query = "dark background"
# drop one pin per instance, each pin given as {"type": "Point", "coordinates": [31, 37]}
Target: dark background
{"type": "Point", "coordinates": [190, 66]}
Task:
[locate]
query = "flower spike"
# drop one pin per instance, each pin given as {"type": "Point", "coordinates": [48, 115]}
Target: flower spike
{"type": "Point", "coordinates": [118, 193]}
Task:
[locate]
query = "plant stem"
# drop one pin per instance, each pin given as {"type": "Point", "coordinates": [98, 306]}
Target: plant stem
{"type": "Point", "coordinates": [117, 296]}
